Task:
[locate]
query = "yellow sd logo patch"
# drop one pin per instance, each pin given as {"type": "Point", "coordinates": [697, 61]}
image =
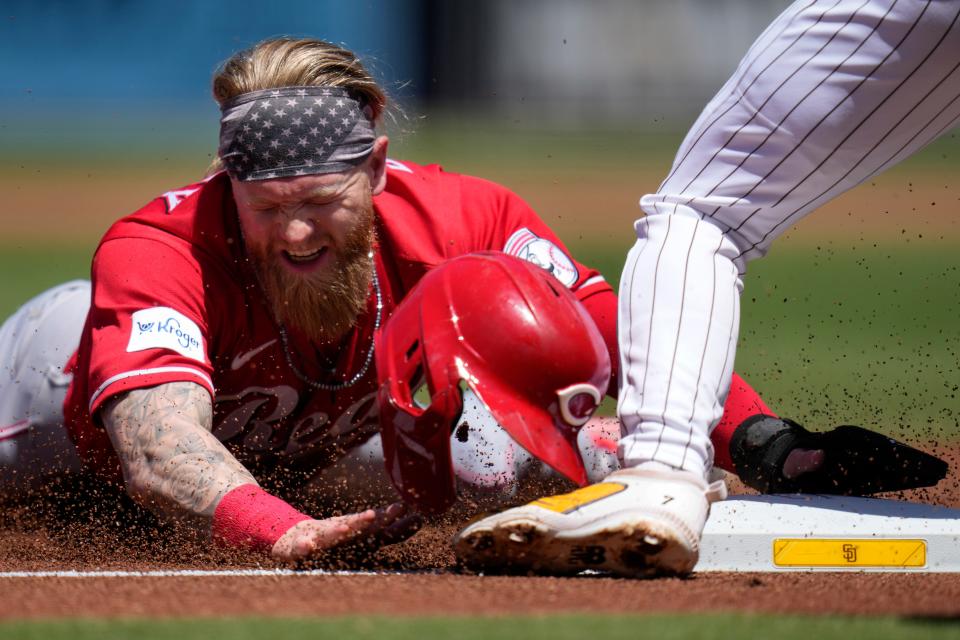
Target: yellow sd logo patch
{"type": "Point", "coordinates": [840, 553]}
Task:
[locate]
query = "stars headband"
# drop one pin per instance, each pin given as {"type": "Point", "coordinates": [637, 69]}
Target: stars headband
{"type": "Point", "coordinates": [294, 131]}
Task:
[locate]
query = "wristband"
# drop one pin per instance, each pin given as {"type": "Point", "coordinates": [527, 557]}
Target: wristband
{"type": "Point", "coordinates": [250, 518]}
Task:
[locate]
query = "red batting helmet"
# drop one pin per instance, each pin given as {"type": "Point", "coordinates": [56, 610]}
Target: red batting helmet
{"type": "Point", "coordinates": [512, 333]}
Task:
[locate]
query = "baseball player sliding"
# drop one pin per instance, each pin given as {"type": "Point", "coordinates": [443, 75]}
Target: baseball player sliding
{"type": "Point", "coordinates": [261, 336]}
{"type": "Point", "coordinates": [832, 93]}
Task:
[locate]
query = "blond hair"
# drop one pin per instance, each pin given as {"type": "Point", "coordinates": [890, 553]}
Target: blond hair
{"type": "Point", "coordinates": [290, 62]}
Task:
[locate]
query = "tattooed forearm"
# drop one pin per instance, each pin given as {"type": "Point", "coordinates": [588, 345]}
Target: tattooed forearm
{"type": "Point", "coordinates": [171, 462]}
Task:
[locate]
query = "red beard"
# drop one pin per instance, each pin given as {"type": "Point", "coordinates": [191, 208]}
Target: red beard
{"type": "Point", "coordinates": [323, 305]}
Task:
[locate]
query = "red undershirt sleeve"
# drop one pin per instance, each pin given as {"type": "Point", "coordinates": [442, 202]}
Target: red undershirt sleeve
{"type": "Point", "coordinates": [742, 402]}
{"type": "Point", "coordinates": [602, 307]}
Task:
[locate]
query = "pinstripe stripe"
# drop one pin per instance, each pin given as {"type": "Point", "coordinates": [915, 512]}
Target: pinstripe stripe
{"type": "Point", "coordinates": [880, 104]}
{"type": "Point", "coordinates": [626, 309]}
{"type": "Point", "coordinates": [653, 308]}
{"type": "Point", "coordinates": [862, 122]}
{"type": "Point", "coordinates": [703, 353]}
{"type": "Point", "coordinates": [796, 106]}
{"type": "Point", "coordinates": [952, 122]}
{"type": "Point", "coordinates": [823, 119]}
{"type": "Point", "coordinates": [872, 111]}
{"type": "Point", "coordinates": [732, 335]}
{"type": "Point", "coordinates": [765, 102]}
{"type": "Point", "coordinates": [625, 353]}
{"type": "Point", "coordinates": [625, 304]}
{"type": "Point", "coordinates": [885, 164]}
{"type": "Point", "coordinates": [676, 342]}
{"type": "Point", "coordinates": [733, 86]}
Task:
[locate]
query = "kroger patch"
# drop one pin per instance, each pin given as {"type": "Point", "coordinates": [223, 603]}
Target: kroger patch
{"type": "Point", "coordinates": [166, 328]}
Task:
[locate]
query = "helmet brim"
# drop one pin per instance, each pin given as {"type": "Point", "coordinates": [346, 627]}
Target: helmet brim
{"type": "Point", "coordinates": [533, 427]}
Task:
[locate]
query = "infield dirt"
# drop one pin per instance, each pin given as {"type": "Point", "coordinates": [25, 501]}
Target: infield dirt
{"type": "Point", "coordinates": [60, 532]}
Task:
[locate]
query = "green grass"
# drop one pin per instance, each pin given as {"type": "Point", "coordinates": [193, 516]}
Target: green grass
{"type": "Point", "coordinates": [29, 268]}
{"type": "Point", "coordinates": [852, 335]}
{"type": "Point", "coordinates": [562, 627]}
{"type": "Point", "coordinates": [461, 140]}
{"type": "Point", "coordinates": [463, 143]}
{"type": "Point", "coordinates": [451, 138]}
{"type": "Point", "coordinates": [867, 336]}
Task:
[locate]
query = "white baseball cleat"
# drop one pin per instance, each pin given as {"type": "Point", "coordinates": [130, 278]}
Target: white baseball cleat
{"type": "Point", "coordinates": [636, 523]}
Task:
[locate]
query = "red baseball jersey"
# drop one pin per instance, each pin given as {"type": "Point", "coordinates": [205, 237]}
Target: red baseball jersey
{"type": "Point", "coordinates": [174, 299]}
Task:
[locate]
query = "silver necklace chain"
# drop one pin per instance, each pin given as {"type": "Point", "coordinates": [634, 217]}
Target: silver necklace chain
{"type": "Point", "coordinates": [337, 386]}
{"type": "Point", "coordinates": [285, 341]}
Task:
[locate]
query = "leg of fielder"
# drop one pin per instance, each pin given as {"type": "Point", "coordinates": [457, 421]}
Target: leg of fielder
{"type": "Point", "coordinates": [827, 97]}
{"type": "Point", "coordinates": [831, 94]}
{"type": "Point", "coordinates": [35, 344]}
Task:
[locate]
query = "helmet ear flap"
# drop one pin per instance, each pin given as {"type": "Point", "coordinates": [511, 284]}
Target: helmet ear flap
{"type": "Point", "coordinates": [408, 382]}
{"type": "Point", "coordinates": [408, 379]}
{"type": "Point", "coordinates": [416, 421]}
{"type": "Point", "coordinates": [520, 340]}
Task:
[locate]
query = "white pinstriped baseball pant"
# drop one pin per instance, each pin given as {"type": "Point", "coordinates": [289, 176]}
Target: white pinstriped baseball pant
{"type": "Point", "coordinates": [832, 93]}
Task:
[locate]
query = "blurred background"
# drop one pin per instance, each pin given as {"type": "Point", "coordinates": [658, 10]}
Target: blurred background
{"type": "Point", "coordinates": [578, 106]}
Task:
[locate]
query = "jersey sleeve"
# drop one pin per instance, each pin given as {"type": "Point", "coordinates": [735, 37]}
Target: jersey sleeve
{"type": "Point", "coordinates": [148, 319]}
{"type": "Point", "coordinates": [602, 307]}
{"type": "Point", "coordinates": [501, 221]}
{"type": "Point", "coordinates": [504, 222]}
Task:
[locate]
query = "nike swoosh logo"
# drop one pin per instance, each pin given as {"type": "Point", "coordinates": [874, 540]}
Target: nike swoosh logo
{"type": "Point", "coordinates": [244, 358]}
{"type": "Point", "coordinates": [16, 428]}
